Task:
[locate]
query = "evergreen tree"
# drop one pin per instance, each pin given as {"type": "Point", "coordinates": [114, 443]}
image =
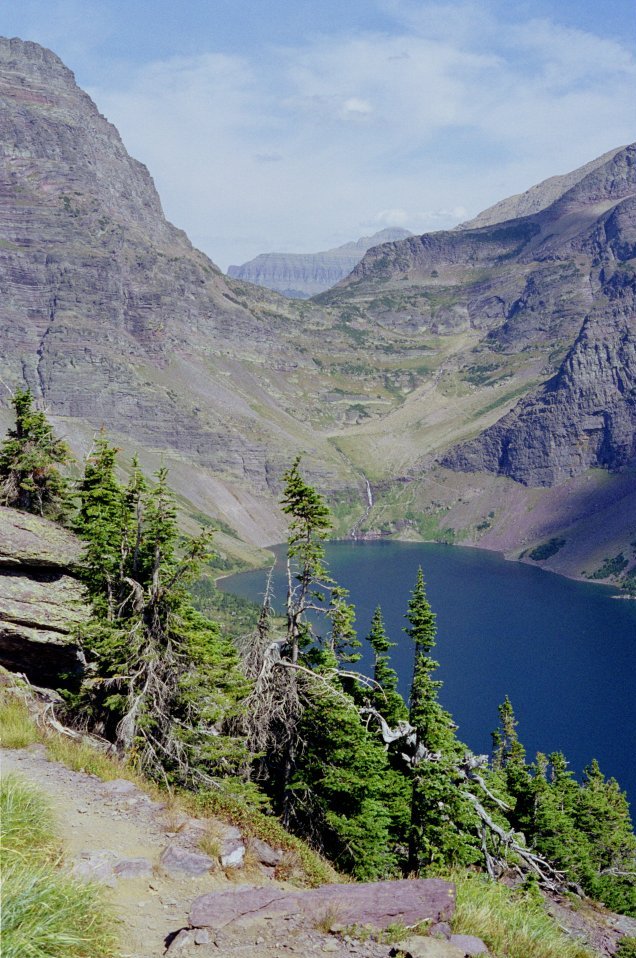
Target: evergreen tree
{"type": "Point", "coordinates": [339, 784]}
{"type": "Point", "coordinates": [602, 815]}
{"type": "Point", "coordinates": [509, 765]}
{"type": "Point", "coordinates": [442, 823]}
{"type": "Point", "coordinates": [326, 772]}
{"type": "Point", "coordinates": [29, 457]}
{"type": "Point", "coordinates": [162, 679]}
{"type": "Point", "coordinates": [385, 697]}
{"type": "Point", "coordinates": [105, 521]}
{"type": "Point", "coordinates": [309, 525]}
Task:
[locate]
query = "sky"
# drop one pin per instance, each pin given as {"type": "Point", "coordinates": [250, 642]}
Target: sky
{"type": "Point", "coordinates": [298, 125]}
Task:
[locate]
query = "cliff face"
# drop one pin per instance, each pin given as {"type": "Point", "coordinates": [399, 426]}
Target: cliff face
{"type": "Point", "coordinates": [41, 600]}
{"type": "Point", "coordinates": [537, 198]}
{"type": "Point", "coordinates": [111, 316]}
{"type": "Point", "coordinates": [583, 417]}
{"type": "Point", "coordinates": [302, 275]}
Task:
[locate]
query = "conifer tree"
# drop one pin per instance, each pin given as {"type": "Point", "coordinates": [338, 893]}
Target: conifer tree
{"type": "Point", "coordinates": [29, 458]}
{"type": "Point", "coordinates": [509, 765]}
{"type": "Point", "coordinates": [162, 679]}
{"type": "Point", "coordinates": [385, 697]}
{"type": "Point", "coordinates": [327, 773]}
{"type": "Point", "coordinates": [442, 823]}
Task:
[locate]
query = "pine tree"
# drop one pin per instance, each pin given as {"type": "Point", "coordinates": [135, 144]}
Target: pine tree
{"type": "Point", "coordinates": [327, 774]}
{"type": "Point", "coordinates": [340, 780]}
{"type": "Point", "coordinates": [162, 679]}
{"type": "Point", "coordinates": [602, 815]}
{"type": "Point", "coordinates": [105, 521]}
{"type": "Point", "coordinates": [310, 522]}
{"type": "Point", "coordinates": [29, 457]}
{"type": "Point", "coordinates": [442, 823]}
{"type": "Point", "coordinates": [509, 765]}
{"type": "Point", "coordinates": [385, 697]}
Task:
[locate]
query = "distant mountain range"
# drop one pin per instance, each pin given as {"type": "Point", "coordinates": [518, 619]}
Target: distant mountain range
{"type": "Point", "coordinates": [302, 275]}
{"type": "Point", "coordinates": [479, 384]}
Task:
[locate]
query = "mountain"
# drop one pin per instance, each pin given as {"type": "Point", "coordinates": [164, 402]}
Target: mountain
{"type": "Point", "coordinates": [113, 319]}
{"type": "Point", "coordinates": [537, 198]}
{"type": "Point", "coordinates": [474, 385]}
{"type": "Point", "coordinates": [302, 275]}
{"type": "Point", "coordinates": [537, 322]}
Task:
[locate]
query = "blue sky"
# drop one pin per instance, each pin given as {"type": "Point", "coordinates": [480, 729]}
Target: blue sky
{"type": "Point", "coordinates": [280, 125]}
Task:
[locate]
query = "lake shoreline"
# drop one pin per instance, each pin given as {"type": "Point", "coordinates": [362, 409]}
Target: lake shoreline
{"type": "Point", "coordinates": [453, 545]}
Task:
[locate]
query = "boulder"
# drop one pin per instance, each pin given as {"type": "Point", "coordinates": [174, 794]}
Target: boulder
{"type": "Point", "coordinates": [417, 946]}
{"type": "Point", "coordinates": [469, 945]}
{"type": "Point", "coordinates": [179, 861]}
{"type": "Point", "coordinates": [374, 904]}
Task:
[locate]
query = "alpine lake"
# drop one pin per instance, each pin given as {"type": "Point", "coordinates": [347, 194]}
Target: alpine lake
{"type": "Point", "coordinates": [563, 651]}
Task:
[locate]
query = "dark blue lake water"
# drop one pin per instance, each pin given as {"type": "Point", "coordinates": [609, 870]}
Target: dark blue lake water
{"type": "Point", "coordinates": [564, 651]}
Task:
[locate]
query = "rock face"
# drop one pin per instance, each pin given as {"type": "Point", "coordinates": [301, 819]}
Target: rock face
{"type": "Point", "coordinates": [563, 275]}
{"type": "Point", "coordinates": [583, 417]}
{"type": "Point", "coordinates": [302, 275]}
{"type": "Point", "coordinates": [537, 198]}
{"type": "Point", "coordinates": [41, 601]}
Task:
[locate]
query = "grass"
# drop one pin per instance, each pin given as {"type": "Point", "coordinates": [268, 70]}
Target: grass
{"type": "Point", "coordinates": [45, 912]}
{"type": "Point", "coordinates": [512, 924]}
{"type": "Point", "coordinates": [17, 729]}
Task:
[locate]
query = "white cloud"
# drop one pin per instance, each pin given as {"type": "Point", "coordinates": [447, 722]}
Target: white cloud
{"type": "Point", "coordinates": [448, 115]}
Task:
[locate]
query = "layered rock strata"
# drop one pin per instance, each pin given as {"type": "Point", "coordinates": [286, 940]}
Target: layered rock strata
{"type": "Point", "coordinates": [41, 600]}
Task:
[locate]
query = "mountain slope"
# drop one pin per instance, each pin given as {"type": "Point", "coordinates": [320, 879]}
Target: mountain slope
{"type": "Point", "coordinates": [535, 199]}
{"type": "Point", "coordinates": [302, 275]}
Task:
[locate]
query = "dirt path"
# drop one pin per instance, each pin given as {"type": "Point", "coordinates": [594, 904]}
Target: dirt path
{"type": "Point", "coordinates": [116, 834]}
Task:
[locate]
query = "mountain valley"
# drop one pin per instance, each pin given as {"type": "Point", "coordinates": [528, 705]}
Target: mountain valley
{"type": "Point", "coordinates": [476, 385]}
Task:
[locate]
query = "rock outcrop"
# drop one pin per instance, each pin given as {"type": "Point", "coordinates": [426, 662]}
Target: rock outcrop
{"type": "Point", "coordinates": [302, 275]}
{"type": "Point", "coordinates": [374, 904]}
{"type": "Point", "coordinates": [41, 600]}
{"type": "Point", "coordinates": [537, 198]}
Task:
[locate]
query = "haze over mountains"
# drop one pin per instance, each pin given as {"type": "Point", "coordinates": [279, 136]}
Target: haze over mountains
{"type": "Point", "coordinates": [302, 275]}
{"type": "Point", "coordinates": [482, 380]}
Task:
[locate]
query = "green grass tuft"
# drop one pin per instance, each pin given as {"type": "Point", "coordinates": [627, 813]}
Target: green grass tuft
{"type": "Point", "coordinates": [17, 729]}
{"type": "Point", "coordinates": [26, 822]}
{"type": "Point", "coordinates": [512, 924]}
{"type": "Point", "coordinates": [45, 912]}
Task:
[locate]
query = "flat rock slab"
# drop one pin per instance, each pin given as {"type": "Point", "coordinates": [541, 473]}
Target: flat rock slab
{"type": "Point", "coordinates": [374, 904]}
{"type": "Point", "coordinates": [133, 868]}
{"type": "Point", "coordinates": [177, 860]}
{"type": "Point", "coordinates": [28, 540]}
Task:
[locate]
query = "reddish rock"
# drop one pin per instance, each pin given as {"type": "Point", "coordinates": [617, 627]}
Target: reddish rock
{"type": "Point", "coordinates": [374, 904]}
